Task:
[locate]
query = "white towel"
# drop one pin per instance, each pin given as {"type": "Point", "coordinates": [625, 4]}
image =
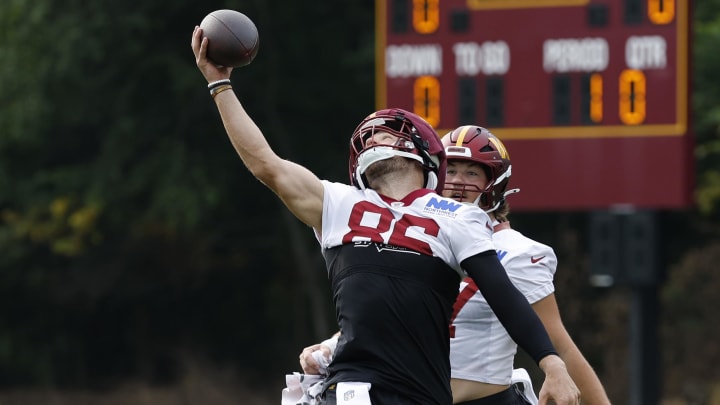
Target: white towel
{"type": "Point", "coordinates": [302, 389]}
{"type": "Point", "coordinates": [323, 362]}
{"type": "Point", "coordinates": [521, 378]}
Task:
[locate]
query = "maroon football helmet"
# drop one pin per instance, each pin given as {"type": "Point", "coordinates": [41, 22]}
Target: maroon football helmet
{"type": "Point", "coordinates": [418, 141]}
{"type": "Point", "coordinates": [477, 144]}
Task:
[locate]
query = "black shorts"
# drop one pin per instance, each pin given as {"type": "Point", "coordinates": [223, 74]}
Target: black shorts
{"type": "Point", "coordinates": [510, 396]}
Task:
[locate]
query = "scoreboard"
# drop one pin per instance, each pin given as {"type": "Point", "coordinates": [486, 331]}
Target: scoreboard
{"type": "Point", "coordinates": [591, 97]}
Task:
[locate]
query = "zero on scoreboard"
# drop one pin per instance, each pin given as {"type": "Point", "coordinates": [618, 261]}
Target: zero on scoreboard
{"type": "Point", "coordinates": [589, 94]}
{"type": "Point", "coordinates": [538, 68]}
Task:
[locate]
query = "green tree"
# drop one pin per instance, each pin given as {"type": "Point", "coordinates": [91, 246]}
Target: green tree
{"type": "Point", "coordinates": [131, 234]}
{"type": "Point", "coordinates": [129, 229]}
{"type": "Point", "coordinates": [707, 104]}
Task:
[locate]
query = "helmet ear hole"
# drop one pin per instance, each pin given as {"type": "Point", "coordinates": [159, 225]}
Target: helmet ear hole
{"type": "Point", "coordinates": [488, 174]}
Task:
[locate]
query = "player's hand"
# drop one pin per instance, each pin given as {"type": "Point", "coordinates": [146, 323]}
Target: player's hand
{"type": "Point", "coordinates": [558, 386]}
{"type": "Point", "coordinates": [308, 363]}
{"type": "Point", "coordinates": [211, 71]}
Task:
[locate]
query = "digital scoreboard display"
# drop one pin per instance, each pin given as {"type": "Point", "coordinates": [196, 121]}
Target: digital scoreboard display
{"type": "Point", "coordinates": [591, 97]}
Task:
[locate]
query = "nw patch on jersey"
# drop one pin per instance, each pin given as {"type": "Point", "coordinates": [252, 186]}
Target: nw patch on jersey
{"type": "Point", "coordinates": [383, 247]}
{"type": "Point", "coordinates": [441, 207]}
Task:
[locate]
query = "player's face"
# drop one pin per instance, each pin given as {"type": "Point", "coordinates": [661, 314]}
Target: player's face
{"type": "Point", "coordinates": [464, 180]}
{"type": "Point", "coordinates": [382, 138]}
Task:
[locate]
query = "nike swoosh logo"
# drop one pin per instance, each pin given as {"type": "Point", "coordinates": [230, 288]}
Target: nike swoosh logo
{"type": "Point", "coordinates": [535, 260]}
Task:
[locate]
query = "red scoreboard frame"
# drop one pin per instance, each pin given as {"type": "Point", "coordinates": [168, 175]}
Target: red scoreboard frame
{"type": "Point", "coordinates": [591, 97]}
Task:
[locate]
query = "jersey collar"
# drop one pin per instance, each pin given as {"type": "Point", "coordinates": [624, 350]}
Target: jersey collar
{"type": "Point", "coordinates": [501, 225]}
{"type": "Point", "coordinates": [408, 199]}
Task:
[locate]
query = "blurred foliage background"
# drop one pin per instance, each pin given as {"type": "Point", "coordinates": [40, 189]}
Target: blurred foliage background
{"type": "Point", "coordinates": [138, 255]}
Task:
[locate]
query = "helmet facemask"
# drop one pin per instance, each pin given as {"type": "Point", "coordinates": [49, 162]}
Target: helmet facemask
{"type": "Point", "coordinates": [411, 132]}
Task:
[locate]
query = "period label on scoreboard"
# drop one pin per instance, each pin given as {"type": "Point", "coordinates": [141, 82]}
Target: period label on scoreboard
{"type": "Point", "coordinates": [532, 70]}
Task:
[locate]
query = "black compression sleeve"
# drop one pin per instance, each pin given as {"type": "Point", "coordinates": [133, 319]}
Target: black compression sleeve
{"type": "Point", "coordinates": [510, 306]}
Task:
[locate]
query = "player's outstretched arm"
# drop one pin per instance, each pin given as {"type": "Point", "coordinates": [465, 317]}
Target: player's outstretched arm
{"type": "Point", "coordinates": [297, 187]}
{"type": "Point", "coordinates": [523, 325]}
{"type": "Point", "coordinates": [591, 389]}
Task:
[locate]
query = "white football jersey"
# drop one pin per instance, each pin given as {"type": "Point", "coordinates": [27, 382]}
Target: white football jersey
{"type": "Point", "coordinates": [480, 347]}
{"type": "Point", "coordinates": [422, 222]}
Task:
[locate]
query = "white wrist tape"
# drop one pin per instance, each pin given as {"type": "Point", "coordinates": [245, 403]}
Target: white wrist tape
{"type": "Point", "coordinates": [217, 83]}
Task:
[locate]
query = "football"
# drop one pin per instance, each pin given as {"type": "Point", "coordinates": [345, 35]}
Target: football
{"type": "Point", "coordinates": [233, 39]}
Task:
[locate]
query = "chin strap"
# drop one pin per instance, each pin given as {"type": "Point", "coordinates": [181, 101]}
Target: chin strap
{"type": "Point", "coordinates": [511, 191]}
{"type": "Point", "coordinates": [379, 153]}
{"type": "Point", "coordinates": [432, 180]}
{"type": "Point", "coordinates": [499, 203]}
{"type": "Point", "coordinates": [376, 154]}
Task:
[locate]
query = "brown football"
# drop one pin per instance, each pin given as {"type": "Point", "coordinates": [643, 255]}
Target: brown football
{"type": "Point", "coordinates": [233, 39]}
